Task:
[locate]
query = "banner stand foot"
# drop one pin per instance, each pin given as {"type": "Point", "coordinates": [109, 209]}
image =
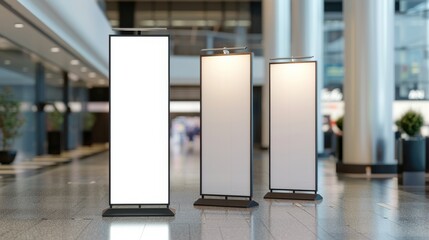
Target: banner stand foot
{"type": "Point", "coordinates": [293, 196]}
{"type": "Point", "coordinates": [226, 203]}
{"type": "Point", "coordinates": [138, 212]}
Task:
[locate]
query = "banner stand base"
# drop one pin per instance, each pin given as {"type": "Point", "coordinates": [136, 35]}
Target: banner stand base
{"type": "Point", "coordinates": [293, 196]}
{"type": "Point", "coordinates": [226, 203]}
{"type": "Point", "coordinates": [138, 212]}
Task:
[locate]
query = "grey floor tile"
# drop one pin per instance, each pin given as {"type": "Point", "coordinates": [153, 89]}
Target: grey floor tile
{"type": "Point", "coordinates": [66, 202]}
{"type": "Point", "coordinates": [10, 228]}
{"type": "Point", "coordinates": [55, 229]}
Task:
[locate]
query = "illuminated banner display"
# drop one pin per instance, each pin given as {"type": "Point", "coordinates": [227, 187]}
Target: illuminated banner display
{"type": "Point", "coordinates": [293, 135]}
{"type": "Point", "coordinates": [226, 125]}
{"type": "Point", "coordinates": [139, 120]}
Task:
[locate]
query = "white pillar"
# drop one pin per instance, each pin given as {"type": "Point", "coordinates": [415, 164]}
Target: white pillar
{"type": "Point", "coordinates": [307, 40]}
{"type": "Point", "coordinates": [369, 81]}
{"type": "Point", "coordinates": [426, 70]}
{"type": "Point", "coordinates": [276, 43]}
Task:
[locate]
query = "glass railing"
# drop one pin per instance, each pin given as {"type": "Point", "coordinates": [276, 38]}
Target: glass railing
{"type": "Point", "coordinates": [190, 42]}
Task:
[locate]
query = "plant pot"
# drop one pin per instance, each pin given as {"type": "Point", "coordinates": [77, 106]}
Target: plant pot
{"type": "Point", "coordinates": [7, 157]}
{"type": "Point", "coordinates": [397, 146]}
{"type": "Point", "coordinates": [87, 138]}
{"type": "Point", "coordinates": [329, 141]}
{"type": "Point", "coordinates": [339, 148]}
{"type": "Point", "coordinates": [54, 142]}
{"type": "Point", "coordinates": [413, 162]}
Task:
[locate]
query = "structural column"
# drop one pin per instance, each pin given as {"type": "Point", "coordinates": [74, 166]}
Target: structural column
{"type": "Point", "coordinates": [307, 40]}
{"type": "Point", "coordinates": [67, 113]}
{"type": "Point", "coordinates": [369, 82]}
{"type": "Point", "coordinates": [276, 43]}
{"type": "Point", "coordinates": [126, 14]}
{"type": "Point", "coordinates": [40, 114]}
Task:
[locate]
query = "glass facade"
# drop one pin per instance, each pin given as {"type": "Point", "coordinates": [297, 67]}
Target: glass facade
{"type": "Point", "coordinates": [198, 25]}
{"type": "Point", "coordinates": [411, 51]}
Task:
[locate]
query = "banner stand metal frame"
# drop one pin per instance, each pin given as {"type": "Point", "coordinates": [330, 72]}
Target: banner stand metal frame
{"type": "Point", "coordinates": [217, 201]}
{"type": "Point", "coordinates": [148, 210]}
{"type": "Point", "coordinates": [291, 194]}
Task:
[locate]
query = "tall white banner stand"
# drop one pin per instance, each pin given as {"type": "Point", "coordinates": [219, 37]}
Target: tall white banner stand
{"type": "Point", "coordinates": [226, 129]}
{"type": "Point", "coordinates": [139, 164]}
{"type": "Point", "coordinates": [293, 129]}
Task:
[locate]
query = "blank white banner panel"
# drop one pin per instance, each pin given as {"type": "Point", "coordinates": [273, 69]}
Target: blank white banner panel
{"type": "Point", "coordinates": [139, 120]}
{"type": "Point", "coordinates": [293, 138]}
{"type": "Point", "coordinates": [226, 102]}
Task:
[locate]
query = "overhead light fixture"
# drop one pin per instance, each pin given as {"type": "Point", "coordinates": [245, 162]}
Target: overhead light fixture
{"type": "Point", "coordinates": [7, 62]}
{"type": "Point", "coordinates": [74, 62]}
{"type": "Point", "coordinates": [18, 25]}
{"type": "Point", "coordinates": [73, 77]}
{"type": "Point", "coordinates": [55, 49]}
{"type": "Point", "coordinates": [83, 69]}
{"type": "Point", "coordinates": [92, 75]}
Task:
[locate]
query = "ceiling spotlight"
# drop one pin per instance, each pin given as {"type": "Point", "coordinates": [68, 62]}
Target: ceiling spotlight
{"type": "Point", "coordinates": [92, 75]}
{"type": "Point", "coordinates": [73, 77]}
{"type": "Point", "coordinates": [18, 25]}
{"type": "Point", "coordinates": [55, 49]}
{"type": "Point", "coordinates": [74, 62]}
{"type": "Point", "coordinates": [83, 69]}
{"type": "Point", "coordinates": [7, 62]}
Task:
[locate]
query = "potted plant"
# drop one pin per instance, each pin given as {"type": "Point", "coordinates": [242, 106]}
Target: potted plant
{"type": "Point", "coordinates": [339, 152]}
{"type": "Point", "coordinates": [88, 123]}
{"type": "Point", "coordinates": [10, 123]}
{"type": "Point", "coordinates": [55, 122]}
{"type": "Point", "coordinates": [412, 155]}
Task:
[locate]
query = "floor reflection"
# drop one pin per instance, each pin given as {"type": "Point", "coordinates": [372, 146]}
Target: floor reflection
{"type": "Point", "coordinates": [47, 206]}
{"type": "Point", "coordinates": [139, 231]}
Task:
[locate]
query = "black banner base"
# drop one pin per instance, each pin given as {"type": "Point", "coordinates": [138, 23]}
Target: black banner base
{"type": "Point", "coordinates": [226, 203]}
{"type": "Point", "coordinates": [138, 212]}
{"type": "Point", "coordinates": [367, 168]}
{"type": "Point", "coordinates": [293, 196]}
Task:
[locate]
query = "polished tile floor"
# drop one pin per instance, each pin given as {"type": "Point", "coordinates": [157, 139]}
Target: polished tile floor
{"type": "Point", "coordinates": [66, 203]}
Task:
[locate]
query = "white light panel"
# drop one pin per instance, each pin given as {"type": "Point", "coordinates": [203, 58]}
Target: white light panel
{"type": "Point", "coordinates": [293, 125]}
{"type": "Point", "coordinates": [139, 138]}
{"type": "Point", "coordinates": [226, 124]}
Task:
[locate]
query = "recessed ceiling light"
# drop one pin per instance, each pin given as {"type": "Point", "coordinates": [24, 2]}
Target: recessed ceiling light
{"type": "Point", "coordinates": [7, 62]}
{"type": "Point", "coordinates": [18, 25]}
{"type": "Point", "coordinates": [55, 49]}
{"type": "Point", "coordinates": [74, 62]}
{"type": "Point", "coordinates": [83, 69]}
{"type": "Point", "coordinates": [73, 77]}
{"type": "Point", "coordinates": [92, 75]}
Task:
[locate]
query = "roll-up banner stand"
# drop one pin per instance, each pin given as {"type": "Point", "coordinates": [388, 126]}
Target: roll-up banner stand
{"type": "Point", "coordinates": [139, 162]}
{"type": "Point", "coordinates": [226, 130]}
{"type": "Point", "coordinates": [293, 130]}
